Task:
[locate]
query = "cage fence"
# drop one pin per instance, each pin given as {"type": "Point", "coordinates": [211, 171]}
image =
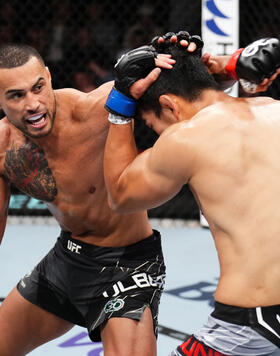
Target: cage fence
{"type": "Point", "coordinates": [80, 41]}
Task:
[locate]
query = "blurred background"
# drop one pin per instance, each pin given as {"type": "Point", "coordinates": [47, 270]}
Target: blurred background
{"type": "Point", "coordinates": [80, 41]}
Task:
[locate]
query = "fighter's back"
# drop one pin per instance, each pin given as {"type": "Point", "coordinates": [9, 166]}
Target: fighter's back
{"type": "Point", "coordinates": [236, 182]}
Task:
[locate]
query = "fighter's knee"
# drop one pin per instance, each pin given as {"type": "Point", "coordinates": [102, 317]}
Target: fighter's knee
{"type": "Point", "coordinates": [126, 337]}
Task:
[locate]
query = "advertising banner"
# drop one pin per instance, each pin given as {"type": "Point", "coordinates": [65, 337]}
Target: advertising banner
{"type": "Point", "coordinates": [220, 33]}
{"type": "Point", "coordinates": [220, 28]}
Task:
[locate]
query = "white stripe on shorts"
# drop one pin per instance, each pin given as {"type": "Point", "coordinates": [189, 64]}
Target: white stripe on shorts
{"type": "Point", "coordinates": [233, 339]}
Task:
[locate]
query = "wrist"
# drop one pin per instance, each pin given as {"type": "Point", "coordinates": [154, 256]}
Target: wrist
{"type": "Point", "coordinates": [118, 119]}
{"type": "Point", "coordinates": [120, 104]}
{"type": "Point", "coordinates": [231, 65]}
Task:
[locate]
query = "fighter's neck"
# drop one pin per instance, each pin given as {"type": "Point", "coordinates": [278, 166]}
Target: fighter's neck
{"type": "Point", "coordinates": [208, 97]}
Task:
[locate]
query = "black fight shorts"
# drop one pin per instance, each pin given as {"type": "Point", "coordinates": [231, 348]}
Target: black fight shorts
{"type": "Point", "coordinates": [87, 284]}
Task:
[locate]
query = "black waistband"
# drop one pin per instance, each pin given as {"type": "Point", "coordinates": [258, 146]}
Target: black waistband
{"type": "Point", "coordinates": [147, 247]}
{"type": "Point", "coordinates": [231, 314]}
{"type": "Point", "coordinates": [264, 320]}
{"type": "Point", "coordinates": [239, 315]}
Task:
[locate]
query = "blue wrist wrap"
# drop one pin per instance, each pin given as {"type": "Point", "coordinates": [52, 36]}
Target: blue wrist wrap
{"type": "Point", "coordinates": [120, 104]}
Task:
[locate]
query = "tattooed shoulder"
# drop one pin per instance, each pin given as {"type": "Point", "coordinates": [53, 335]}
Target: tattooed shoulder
{"type": "Point", "coordinates": [28, 169]}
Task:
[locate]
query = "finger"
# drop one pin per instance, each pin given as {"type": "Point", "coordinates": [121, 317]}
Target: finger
{"type": "Point", "coordinates": [160, 40]}
{"type": "Point", "coordinates": [197, 40]}
{"type": "Point", "coordinates": [139, 87]}
{"type": "Point", "coordinates": [163, 59]}
{"type": "Point", "coordinates": [261, 89]}
{"type": "Point", "coordinates": [274, 76]}
{"type": "Point", "coordinates": [192, 47]}
{"type": "Point", "coordinates": [154, 41]}
{"type": "Point", "coordinates": [167, 63]}
{"type": "Point", "coordinates": [264, 82]}
{"type": "Point", "coordinates": [168, 35]}
{"type": "Point", "coordinates": [184, 43]}
{"type": "Point", "coordinates": [268, 81]}
{"type": "Point", "coordinates": [183, 35]}
{"type": "Point", "coordinates": [163, 55]}
{"type": "Point", "coordinates": [173, 39]}
{"type": "Point", "coordinates": [205, 58]}
{"type": "Point", "coordinates": [152, 76]}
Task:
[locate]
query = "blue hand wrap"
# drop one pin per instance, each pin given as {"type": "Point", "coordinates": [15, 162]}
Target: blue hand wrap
{"type": "Point", "coordinates": [120, 104]}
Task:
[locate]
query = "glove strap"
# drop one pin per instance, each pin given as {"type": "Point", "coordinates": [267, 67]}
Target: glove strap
{"type": "Point", "coordinates": [118, 120]}
{"type": "Point", "coordinates": [231, 66]}
{"type": "Point", "coordinates": [120, 104]}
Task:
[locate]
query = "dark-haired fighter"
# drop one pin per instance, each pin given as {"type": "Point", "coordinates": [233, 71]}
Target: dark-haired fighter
{"type": "Point", "coordinates": [227, 149]}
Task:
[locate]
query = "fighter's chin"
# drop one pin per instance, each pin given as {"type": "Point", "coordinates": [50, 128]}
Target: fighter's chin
{"type": "Point", "coordinates": [39, 130]}
{"type": "Point", "coordinates": [38, 134]}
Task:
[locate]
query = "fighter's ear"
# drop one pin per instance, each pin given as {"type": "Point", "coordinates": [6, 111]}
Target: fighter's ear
{"type": "Point", "coordinates": [170, 102]}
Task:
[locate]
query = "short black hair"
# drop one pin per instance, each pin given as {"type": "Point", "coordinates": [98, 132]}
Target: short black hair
{"type": "Point", "coordinates": [15, 55]}
{"type": "Point", "coordinates": [188, 78]}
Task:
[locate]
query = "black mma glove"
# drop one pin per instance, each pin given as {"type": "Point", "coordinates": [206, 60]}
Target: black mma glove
{"type": "Point", "coordinates": [181, 35]}
{"type": "Point", "coordinates": [252, 64]}
{"type": "Point", "coordinates": [131, 66]}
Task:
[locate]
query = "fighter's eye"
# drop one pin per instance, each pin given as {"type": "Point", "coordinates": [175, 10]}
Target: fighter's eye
{"type": "Point", "coordinates": [16, 95]}
{"type": "Point", "coordinates": [38, 87]}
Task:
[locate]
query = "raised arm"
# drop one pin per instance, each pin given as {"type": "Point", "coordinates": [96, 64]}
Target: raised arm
{"type": "Point", "coordinates": [131, 187]}
{"type": "Point", "coordinates": [138, 182]}
{"type": "Point", "coordinates": [255, 67]}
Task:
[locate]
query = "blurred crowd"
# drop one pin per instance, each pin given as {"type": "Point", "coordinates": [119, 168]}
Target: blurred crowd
{"type": "Point", "coordinates": [79, 40]}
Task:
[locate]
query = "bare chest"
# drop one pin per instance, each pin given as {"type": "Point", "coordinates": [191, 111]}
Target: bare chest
{"type": "Point", "coordinates": [57, 175]}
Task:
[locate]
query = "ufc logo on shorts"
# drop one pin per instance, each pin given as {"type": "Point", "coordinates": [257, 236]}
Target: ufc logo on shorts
{"type": "Point", "coordinates": [73, 247]}
{"type": "Point", "coordinates": [140, 280]}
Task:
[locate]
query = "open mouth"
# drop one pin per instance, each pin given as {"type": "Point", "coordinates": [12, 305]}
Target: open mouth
{"type": "Point", "coordinates": [37, 121]}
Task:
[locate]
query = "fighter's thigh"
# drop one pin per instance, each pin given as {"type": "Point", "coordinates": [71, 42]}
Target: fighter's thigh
{"type": "Point", "coordinates": [126, 337]}
{"type": "Point", "coordinates": [24, 326]}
